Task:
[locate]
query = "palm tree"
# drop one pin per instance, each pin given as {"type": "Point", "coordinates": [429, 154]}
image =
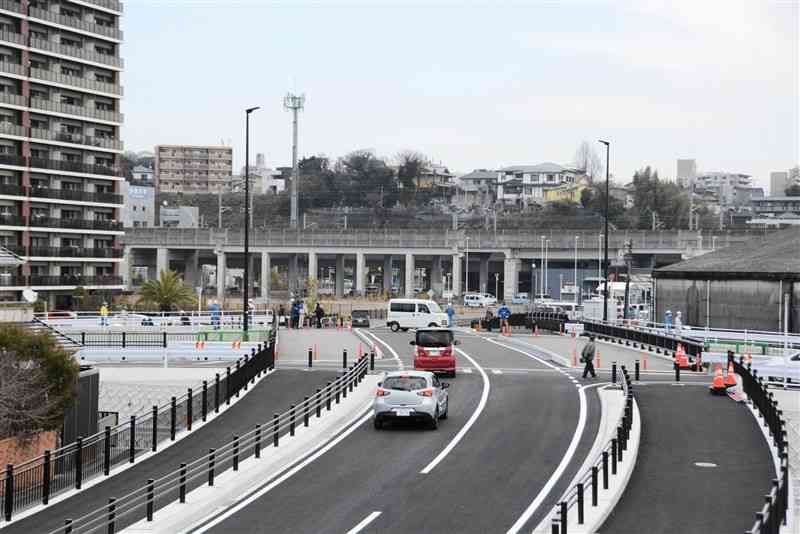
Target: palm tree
{"type": "Point", "coordinates": [168, 292]}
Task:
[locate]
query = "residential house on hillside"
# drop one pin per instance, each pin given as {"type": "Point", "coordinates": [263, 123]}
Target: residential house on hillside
{"type": "Point", "coordinates": [478, 188]}
{"type": "Point", "coordinates": [526, 184]}
{"type": "Point", "coordinates": [567, 192]}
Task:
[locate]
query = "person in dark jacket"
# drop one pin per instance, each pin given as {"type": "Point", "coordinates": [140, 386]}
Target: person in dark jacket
{"type": "Point", "coordinates": [587, 357]}
{"type": "Point", "coordinates": [319, 313]}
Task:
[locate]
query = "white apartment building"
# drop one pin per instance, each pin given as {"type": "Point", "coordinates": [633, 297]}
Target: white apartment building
{"type": "Point", "coordinates": [526, 184]}
{"type": "Point", "coordinates": [60, 147]}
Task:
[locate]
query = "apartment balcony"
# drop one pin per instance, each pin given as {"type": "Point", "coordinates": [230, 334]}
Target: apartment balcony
{"type": "Point", "coordinates": [74, 138]}
{"type": "Point", "coordinates": [13, 99]}
{"type": "Point", "coordinates": [19, 250]}
{"type": "Point", "coordinates": [74, 280]}
{"type": "Point", "coordinates": [13, 159]}
{"type": "Point", "coordinates": [75, 224]}
{"type": "Point", "coordinates": [12, 220]}
{"type": "Point", "coordinates": [73, 166]}
{"type": "Point", "coordinates": [12, 68]}
{"type": "Point", "coordinates": [74, 81]}
{"type": "Point", "coordinates": [114, 5]}
{"type": "Point", "coordinates": [71, 194]}
{"type": "Point", "coordinates": [10, 280]}
{"type": "Point", "coordinates": [12, 190]}
{"type": "Point", "coordinates": [72, 51]}
{"type": "Point", "coordinates": [67, 109]}
{"type": "Point", "coordinates": [72, 252]}
{"type": "Point", "coordinates": [75, 22]}
{"type": "Point", "coordinates": [9, 128]}
{"type": "Point", "coordinates": [11, 5]}
{"type": "Point", "coordinates": [12, 37]}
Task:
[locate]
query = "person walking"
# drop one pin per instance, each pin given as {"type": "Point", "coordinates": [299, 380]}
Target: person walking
{"type": "Point", "coordinates": [587, 357]}
{"type": "Point", "coordinates": [282, 315]}
{"type": "Point", "coordinates": [451, 312]}
{"type": "Point", "coordinates": [301, 308]}
{"type": "Point", "coordinates": [295, 320]}
{"type": "Point", "coordinates": [504, 313]}
{"type": "Point", "coordinates": [104, 314]}
{"type": "Point", "coordinates": [319, 313]}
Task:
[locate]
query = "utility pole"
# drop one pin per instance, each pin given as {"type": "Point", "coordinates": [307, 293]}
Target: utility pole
{"type": "Point", "coordinates": [605, 232]}
{"type": "Point", "coordinates": [294, 103]}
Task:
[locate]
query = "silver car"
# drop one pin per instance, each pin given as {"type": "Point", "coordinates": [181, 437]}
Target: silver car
{"type": "Point", "coordinates": [411, 395]}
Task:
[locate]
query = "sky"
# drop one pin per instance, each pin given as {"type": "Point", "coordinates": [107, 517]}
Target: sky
{"type": "Point", "coordinates": [472, 84]}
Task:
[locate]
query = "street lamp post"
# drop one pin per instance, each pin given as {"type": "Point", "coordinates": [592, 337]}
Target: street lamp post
{"type": "Point", "coordinates": [546, 267]}
{"type": "Point", "coordinates": [575, 276]}
{"type": "Point", "coordinates": [533, 285]}
{"type": "Point", "coordinates": [496, 285]}
{"type": "Point", "coordinates": [605, 252]}
{"type": "Point", "coordinates": [246, 284]}
{"type": "Point", "coordinates": [466, 267]}
{"type": "Point", "coordinates": [541, 282]}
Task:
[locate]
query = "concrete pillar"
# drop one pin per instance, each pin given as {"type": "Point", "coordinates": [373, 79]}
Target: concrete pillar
{"type": "Point", "coordinates": [292, 279]}
{"type": "Point", "coordinates": [483, 274]}
{"type": "Point", "coordinates": [221, 268]}
{"type": "Point", "coordinates": [125, 267]}
{"type": "Point", "coordinates": [266, 275]}
{"type": "Point", "coordinates": [511, 271]}
{"type": "Point", "coordinates": [409, 272]}
{"type": "Point", "coordinates": [162, 260]}
{"type": "Point", "coordinates": [339, 275]}
{"type": "Point", "coordinates": [313, 268]}
{"type": "Point", "coordinates": [455, 275]}
{"type": "Point", "coordinates": [360, 273]}
{"type": "Point", "coordinates": [190, 276]}
{"type": "Point", "coordinates": [436, 275]}
{"type": "Point", "coordinates": [387, 274]}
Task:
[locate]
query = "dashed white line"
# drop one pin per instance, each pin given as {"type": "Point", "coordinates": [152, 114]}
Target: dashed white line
{"type": "Point", "coordinates": [497, 372]}
{"type": "Point", "coordinates": [367, 520]}
{"type": "Point", "coordinates": [394, 353]}
{"type": "Point", "coordinates": [474, 417]}
{"type": "Point", "coordinates": [467, 371]}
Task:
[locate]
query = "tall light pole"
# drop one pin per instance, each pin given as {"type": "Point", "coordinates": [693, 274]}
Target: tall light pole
{"type": "Point", "coordinates": [541, 282]}
{"type": "Point", "coordinates": [496, 285]}
{"type": "Point", "coordinates": [466, 267]}
{"type": "Point", "coordinates": [294, 103]}
{"type": "Point", "coordinates": [246, 281]}
{"type": "Point", "coordinates": [546, 267]}
{"type": "Point", "coordinates": [533, 285]}
{"type": "Point", "coordinates": [575, 278]}
{"type": "Point", "coordinates": [605, 251]}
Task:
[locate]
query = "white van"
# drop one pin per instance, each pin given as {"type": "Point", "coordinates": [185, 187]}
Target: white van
{"type": "Point", "coordinates": [474, 300]}
{"type": "Point", "coordinates": [414, 313]}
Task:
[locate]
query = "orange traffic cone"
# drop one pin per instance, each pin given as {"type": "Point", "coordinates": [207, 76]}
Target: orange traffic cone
{"type": "Point", "coordinates": [536, 331]}
{"type": "Point", "coordinates": [574, 357]}
{"type": "Point", "coordinates": [718, 384]}
{"type": "Point", "coordinates": [597, 353]}
{"type": "Point", "coordinates": [644, 362]}
{"type": "Point", "coordinates": [681, 358]}
{"type": "Point", "coordinates": [730, 377]}
{"type": "Point", "coordinates": [199, 344]}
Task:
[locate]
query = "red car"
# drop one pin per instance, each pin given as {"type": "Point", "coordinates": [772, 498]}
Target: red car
{"type": "Point", "coordinates": [435, 351]}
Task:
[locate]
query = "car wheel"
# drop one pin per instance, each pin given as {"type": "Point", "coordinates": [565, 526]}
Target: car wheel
{"type": "Point", "coordinates": [446, 407]}
{"type": "Point", "coordinates": [377, 424]}
{"type": "Point", "coordinates": [404, 329]}
{"type": "Point", "coordinates": [433, 325]}
{"type": "Point", "coordinates": [434, 422]}
{"type": "Point", "coordinates": [394, 327]}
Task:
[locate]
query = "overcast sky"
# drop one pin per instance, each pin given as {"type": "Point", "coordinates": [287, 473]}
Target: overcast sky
{"type": "Point", "coordinates": [473, 84]}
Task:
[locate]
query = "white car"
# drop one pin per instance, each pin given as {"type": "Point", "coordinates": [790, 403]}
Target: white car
{"type": "Point", "coordinates": [474, 300]}
{"type": "Point", "coordinates": [410, 396]}
{"type": "Point", "coordinates": [414, 313]}
{"type": "Point", "coordinates": [489, 300]}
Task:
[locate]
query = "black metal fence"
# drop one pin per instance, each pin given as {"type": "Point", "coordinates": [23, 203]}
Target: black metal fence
{"type": "Point", "coordinates": [37, 480]}
{"type": "Point", "coordinates": [772, 514]}
{"type": "Point", "coordinates": [157, 493]}
{"type": "Point", "coordinates": [646, 338]}
{"type": "Point", "coordinates": [596, 478]}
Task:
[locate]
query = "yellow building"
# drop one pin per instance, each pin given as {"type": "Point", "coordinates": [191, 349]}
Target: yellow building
{"type": "Point", "coordinates": [566, 192]}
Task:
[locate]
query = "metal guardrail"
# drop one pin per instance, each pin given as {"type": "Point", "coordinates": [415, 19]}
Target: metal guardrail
{"type": "Point", "coordinates": [645, 337]}
{"type": "Point", "coordinates": [156, 493]}
{"type": "Point", "coordinates": [612, 453]}
{"type": "Point", "coordinates": [69, 467]}
{"type": "Point", "coordinates": [772, 513]}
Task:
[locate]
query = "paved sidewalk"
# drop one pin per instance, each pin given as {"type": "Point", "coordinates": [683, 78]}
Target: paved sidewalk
{"type": "Point", "coordinates": [273, 394]}
{"type": "Point", "coordinates": [669, 492]}
{"type": "Point", "coordinates": [789, 401]}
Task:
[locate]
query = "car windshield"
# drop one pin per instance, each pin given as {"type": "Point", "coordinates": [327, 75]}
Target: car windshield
{"type": "Point", "coordinates": [433, 307]}
{"type": "Point", "coordinates": [434, 338]}
{"type": "Point", "coordinates": [360, 314]}
{"type": "Point", "coordinates": [405, 383]}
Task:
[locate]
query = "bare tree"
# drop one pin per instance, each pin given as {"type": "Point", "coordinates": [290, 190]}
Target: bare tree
{"type": "Point", "coordinates": [588, 160]}
{"type": "Point", "coordinates": [25, 405]}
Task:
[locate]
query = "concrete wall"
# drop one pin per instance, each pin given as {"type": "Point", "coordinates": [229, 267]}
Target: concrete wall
{"type": "Point", "coordinates": [16, 312]}
{"type": "Point", "coordinates": [738, 304]}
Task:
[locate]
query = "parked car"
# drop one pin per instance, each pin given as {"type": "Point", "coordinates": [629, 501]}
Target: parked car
{"type": "Point", "coordinates": [372, 289]}
{"type": "Point", "coordinates": [360, 318]}
{"type": "Point", "coordinates": [414, 313]}
{"type": "Point", "coordinates": [474, 300]}
{"type": "Point", "coordinates": [435, 351]}
{"type": "Point", "coordinates": [489, 299]}
{"type": "Point", "coordinates": [410, 395]}
{"type": "Point", "coordinates": [520, 298]}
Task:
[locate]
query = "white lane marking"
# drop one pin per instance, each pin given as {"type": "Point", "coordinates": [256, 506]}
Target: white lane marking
{"type": "Point", "coordinates": [367, 520]}
{"type": "Point", "coordinates": [562, 466]}
{"type": "Point", "coordinates": [468, 370]}
{"type": "Point", "coordinates": [497, 372]}
{"type": "Point", "coordinates": [241, 504]}
{"type": "Point", "coordinates": [394, 353]}
{"type": "Point", "coordinates": [474, 417]}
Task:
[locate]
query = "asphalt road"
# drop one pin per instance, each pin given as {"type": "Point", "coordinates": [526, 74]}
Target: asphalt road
{"type": "Point", "coordinates": [668, 492]}
{"type": "Point", "coordinates": [273, 394]}
{"type": "Point", "coordinates": [483, 484]}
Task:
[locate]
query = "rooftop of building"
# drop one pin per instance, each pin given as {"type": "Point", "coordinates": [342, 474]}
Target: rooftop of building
{"type": "Point", "coordinates": [480, 174]}
{"type": "Point", "coordinates": [777, 199]}
{"type": "Point", "coordinates": [771, 256]}
{"type": "Point", "coordinates": [541, 167]}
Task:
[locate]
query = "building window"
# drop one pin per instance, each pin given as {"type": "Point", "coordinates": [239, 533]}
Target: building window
{"type": "Point", "coordinates": [71, 71]}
